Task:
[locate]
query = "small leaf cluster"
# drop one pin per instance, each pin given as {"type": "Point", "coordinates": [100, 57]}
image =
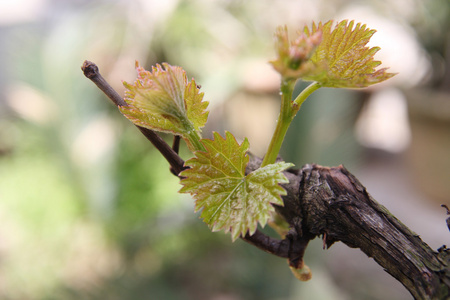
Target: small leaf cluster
{"type": "Point", "coordinates": [293, 59]}
{"type": "Point", "coordinates": [164, 100]}
{"type": "Point", "coordinates": [335, 57]}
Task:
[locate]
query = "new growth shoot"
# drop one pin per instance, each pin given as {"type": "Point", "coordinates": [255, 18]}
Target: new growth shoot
{"type": "Point", "coordinates": [164, 100]}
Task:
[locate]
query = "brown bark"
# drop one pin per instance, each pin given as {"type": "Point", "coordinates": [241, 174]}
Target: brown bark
{"type": "Point", "coordinates": [333, 204]}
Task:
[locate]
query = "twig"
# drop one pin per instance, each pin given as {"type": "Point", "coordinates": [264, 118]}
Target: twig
{"type": "Point", "coordinates": [270, 245]}
{"type": "Point", "coordinates": [292, 247]}
{"type": "Point", "coordinates": [91, 71]}
{"type": "Point", "coordinates": [176, 143]}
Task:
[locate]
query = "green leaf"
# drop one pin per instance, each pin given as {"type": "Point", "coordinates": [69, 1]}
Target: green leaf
{"type": "Point", "coordinates": [164, 100]}
{"type": "Point", "coordinates": [229, 199]}
{"type": "Point", "coordinates": [342, 58]}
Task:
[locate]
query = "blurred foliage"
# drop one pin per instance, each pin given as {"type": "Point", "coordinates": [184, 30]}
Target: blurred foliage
{"type": "Point", "coordinates": [88, 209]}
{"type": "Point", "coordinates": [432, 24]}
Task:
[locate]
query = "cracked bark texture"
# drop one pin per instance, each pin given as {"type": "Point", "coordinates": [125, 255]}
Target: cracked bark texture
{"type": "Point", "coordinates": [333, 204]}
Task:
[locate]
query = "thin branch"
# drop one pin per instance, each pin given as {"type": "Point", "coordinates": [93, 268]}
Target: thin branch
{"type": "Point", "coordinates": [292, 247]}
{"type": "Point", "coordinates": [176, 143]}
{"type": "Point", "coordinates": [270, 245]}
{"type": "Point", "coordinates": [91, 71]}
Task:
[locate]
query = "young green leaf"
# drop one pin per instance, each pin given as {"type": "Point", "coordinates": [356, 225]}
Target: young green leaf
{"type": "Point", "coordinates": [342, 58]}
{"type": "Point", "coordinates": [164, 100]}
{"type": "Point", "coordinates": [228, 198]}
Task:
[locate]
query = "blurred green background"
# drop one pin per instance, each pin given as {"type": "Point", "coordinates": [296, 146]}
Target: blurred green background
{"type": "Point", "coordinates": [89, 210]}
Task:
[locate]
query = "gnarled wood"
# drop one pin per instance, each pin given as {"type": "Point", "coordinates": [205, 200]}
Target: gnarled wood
{"type": "Point", "coordinates": [333, 204]}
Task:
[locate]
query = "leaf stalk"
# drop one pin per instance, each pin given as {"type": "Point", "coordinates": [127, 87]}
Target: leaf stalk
{"type": "Point", "coordinates": [194, 140]}
{"type": "Point", "coordinates": [303, 96]}
{"type": "Point", "coordinates": [288, 111]}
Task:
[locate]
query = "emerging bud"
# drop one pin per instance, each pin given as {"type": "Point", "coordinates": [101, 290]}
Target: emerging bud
{"type": "Point", "coordinates": [293, 56]}
{"type": "Point", "coordinates": [303, 273]}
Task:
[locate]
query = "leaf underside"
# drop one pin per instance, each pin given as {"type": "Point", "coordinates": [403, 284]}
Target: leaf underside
{"type": "Point", "coordinates": [229, 199]}
{"type": "Point", "coordinates": [342, 58]}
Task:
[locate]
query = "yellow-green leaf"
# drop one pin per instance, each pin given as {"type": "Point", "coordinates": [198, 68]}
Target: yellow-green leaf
{"type": "Point", "coordinates": [164, 100]}
{"type": "Point", "coordinates": [342, 58]}
{"type": "Point", "coordinates": [229, 199]}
